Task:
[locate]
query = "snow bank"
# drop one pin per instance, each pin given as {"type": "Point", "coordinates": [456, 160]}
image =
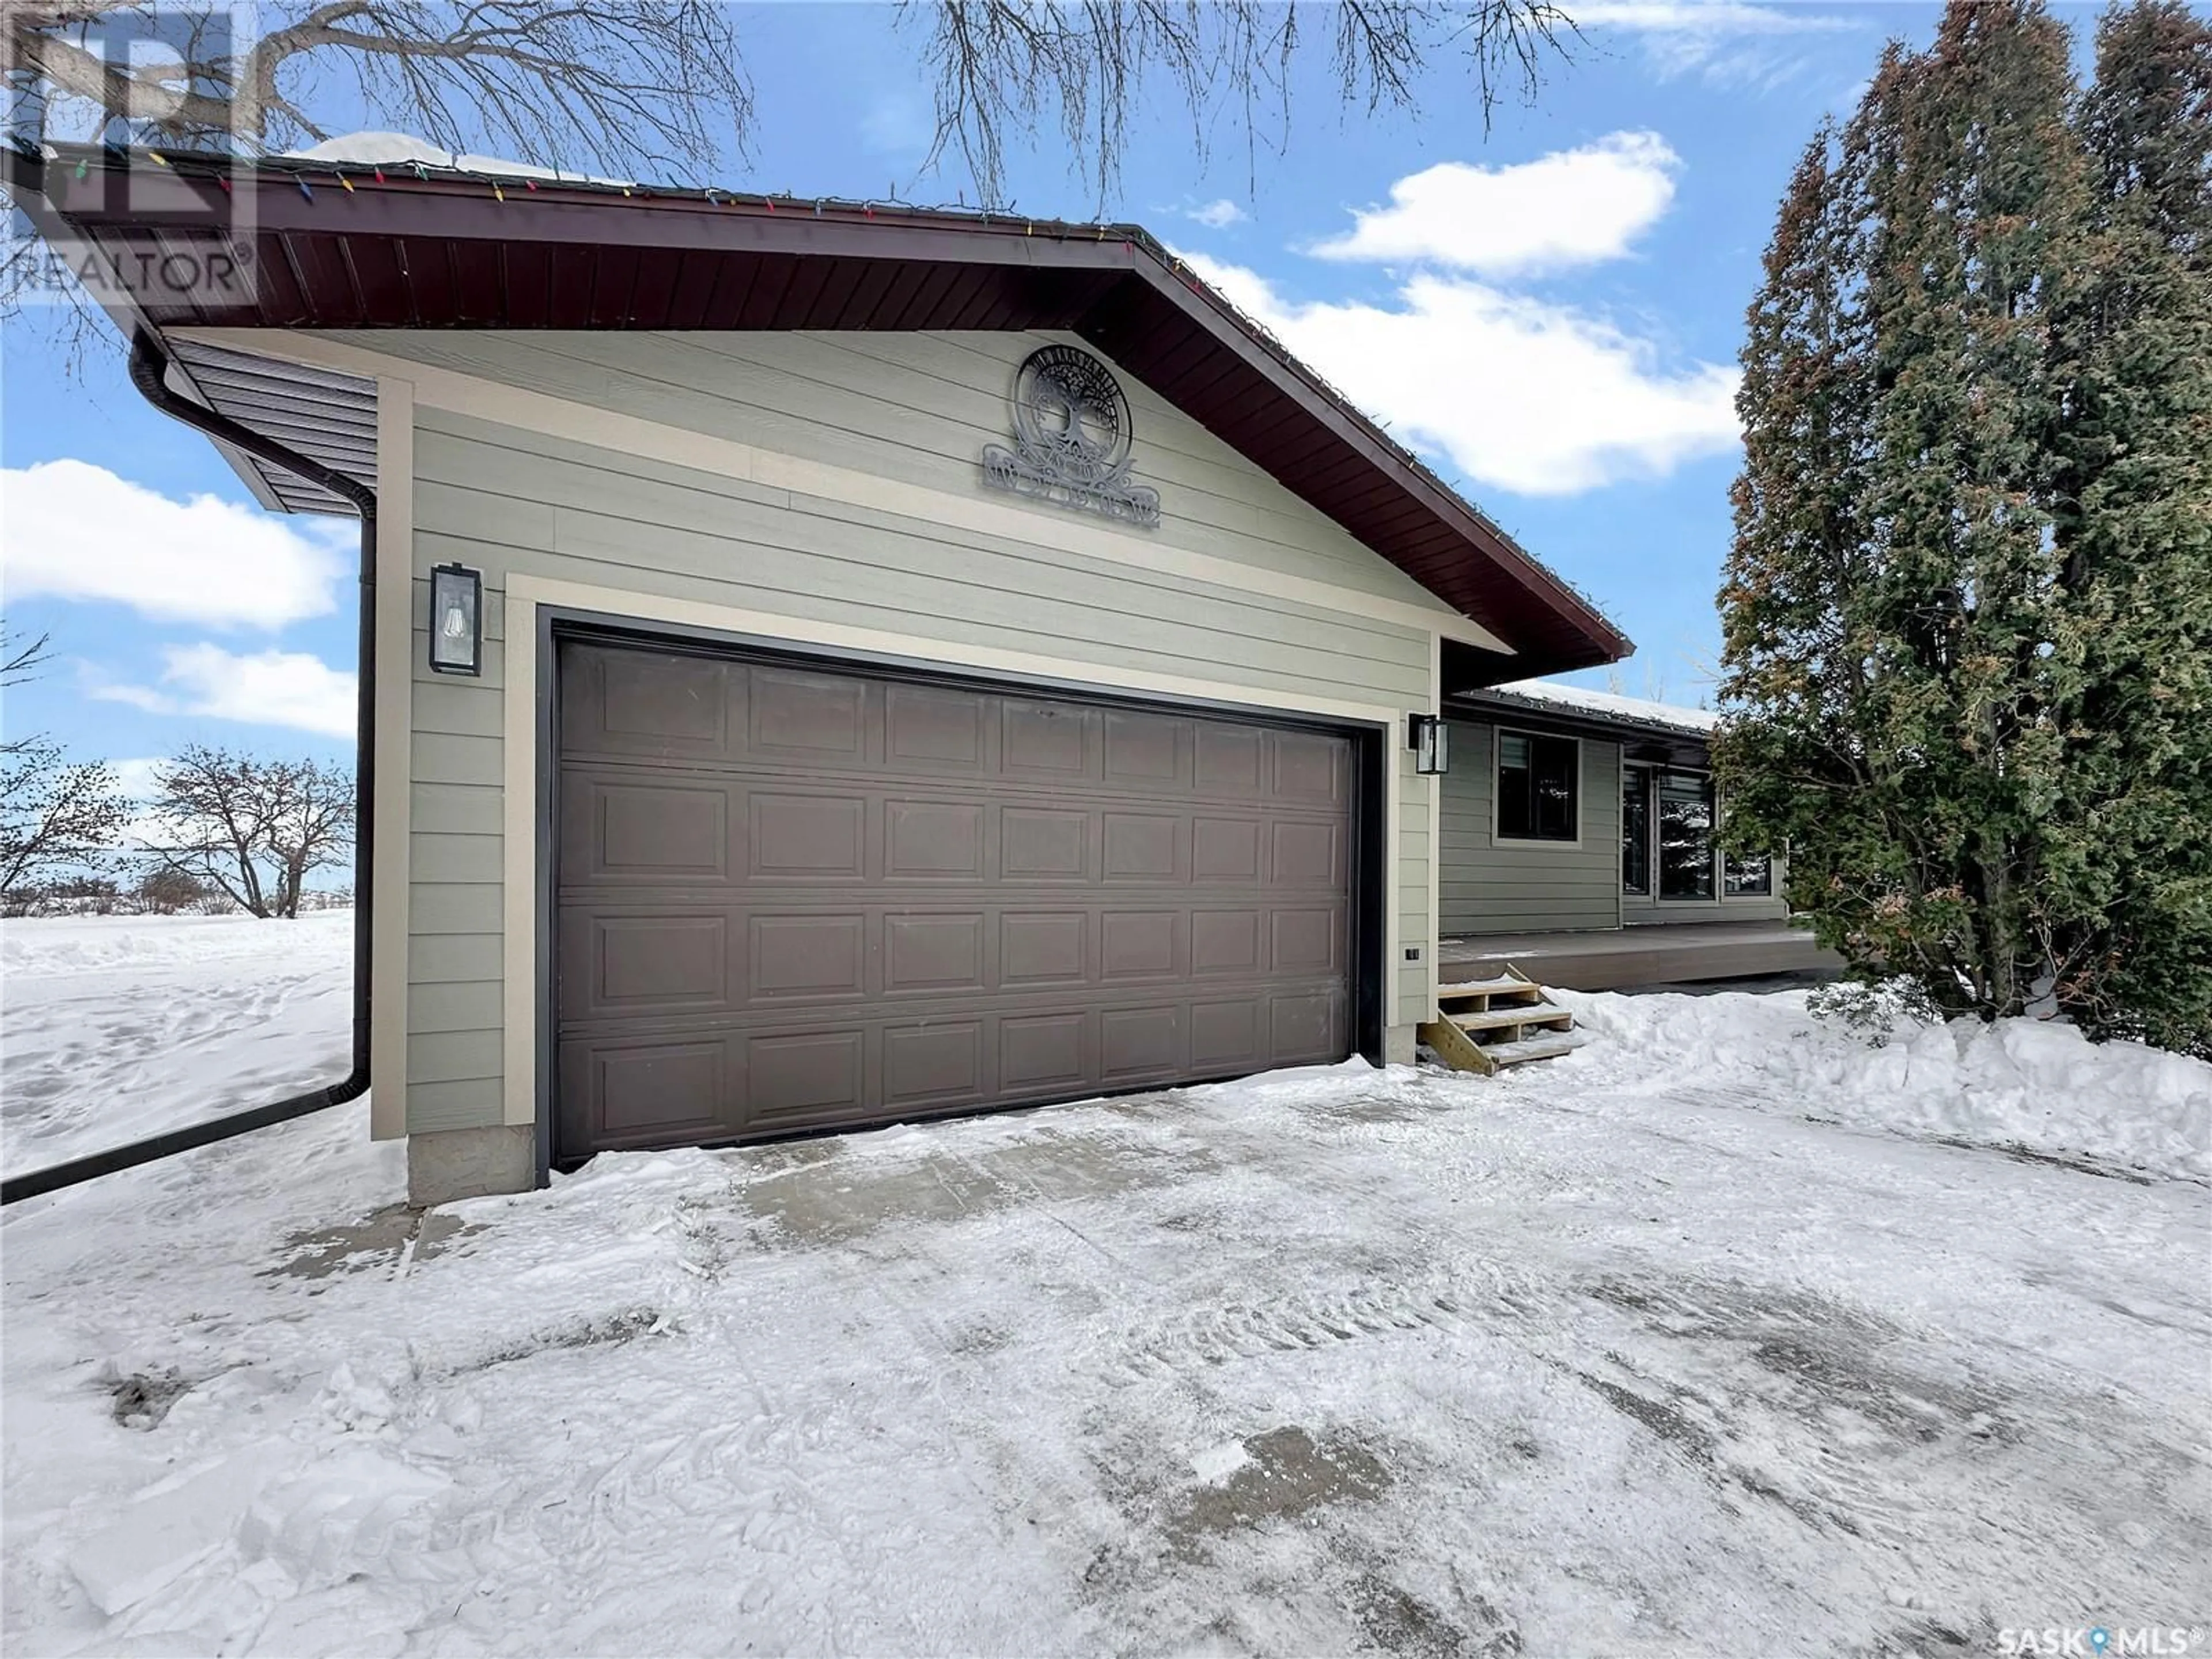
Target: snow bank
{"type": "Point", "coordinates": [2021, 1083]}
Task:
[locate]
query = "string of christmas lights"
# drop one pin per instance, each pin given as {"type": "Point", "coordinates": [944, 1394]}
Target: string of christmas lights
{"type": "Point", "coordinates": [306, 172]}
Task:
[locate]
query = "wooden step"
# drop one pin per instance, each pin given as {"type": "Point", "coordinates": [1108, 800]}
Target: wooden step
{"type": "Point", "coordinates": [1504, 1020]}
{"type": "Point", "coordinates": [1469, 990]}
{"type": "Point", "coordinates": [1499, 1019]}
{"type": "Point", "coordinates": [1520, 1054]}
{"type": "Point", "coordinates": [1455, 1047]}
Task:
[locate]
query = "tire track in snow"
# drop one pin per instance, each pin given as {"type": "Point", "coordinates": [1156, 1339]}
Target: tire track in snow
{"type": "Point", "coordinates": [1214, 1336]}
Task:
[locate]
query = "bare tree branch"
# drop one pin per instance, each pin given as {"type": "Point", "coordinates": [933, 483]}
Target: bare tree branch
{"type": "Point", "coordinates": [253, 827]}
{"type": "Point", "coordinates": [22, 660]}
{"type": "Point", "coordinates": [647, 85]}
{"type": "Point", "coordinates": [53, 816]}
{"type": "Point", "coordinates": [640, 83]}
{"type": "Point", "coordinates": [1002, 66]}
{"type": "Point", "coordinates": [559, 83]}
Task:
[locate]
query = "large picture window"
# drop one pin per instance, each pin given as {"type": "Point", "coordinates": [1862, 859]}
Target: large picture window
{"type": "Point", "coordinates": [1670, 820]}
{"type": "Point", "coordinates": [1536, 792]}
{"type": "Point", "coordinates": [1686, 835]}
{"type": "Point", "coordinates": [1636, 831]}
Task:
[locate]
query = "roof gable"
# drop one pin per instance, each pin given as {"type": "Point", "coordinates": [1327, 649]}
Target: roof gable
{"type": "Point", "coordinates": [431, 249]}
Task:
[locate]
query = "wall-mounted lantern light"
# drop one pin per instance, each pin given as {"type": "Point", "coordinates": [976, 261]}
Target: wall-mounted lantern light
{"type": "Point", "coordinates": [455, 619]}
{"type": "Point", "coordinates": [1430, 739]}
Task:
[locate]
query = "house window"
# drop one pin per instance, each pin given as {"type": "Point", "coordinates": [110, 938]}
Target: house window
{"type": "Point", "coordinates": [1751, 876]}
{"type": "Point", "coordinates": [1536, 787]}
{"type": "Point", "coordinates": [1636, 831]}
{"type": "Point", "coordinates": [1686, 835]}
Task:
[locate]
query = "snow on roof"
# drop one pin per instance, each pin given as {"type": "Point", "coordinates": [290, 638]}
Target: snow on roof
{"type": "Point", "coordinates": [399, 149]}
{"type": "Point", "coordinates": [1610, 705]}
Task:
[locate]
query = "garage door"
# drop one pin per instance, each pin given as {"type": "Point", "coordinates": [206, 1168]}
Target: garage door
{"type": "Point", "coordinates": [792, 898]}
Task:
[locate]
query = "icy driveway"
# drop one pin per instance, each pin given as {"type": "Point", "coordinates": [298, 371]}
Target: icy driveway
{"type": "Point", "coordinates": [1569, 1364]}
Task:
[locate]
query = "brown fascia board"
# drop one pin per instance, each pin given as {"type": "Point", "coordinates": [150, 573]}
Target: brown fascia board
{"type": "Point", "coordinates": [1294, 379]}
{"type": "Point", "coordinates": [293, 199]}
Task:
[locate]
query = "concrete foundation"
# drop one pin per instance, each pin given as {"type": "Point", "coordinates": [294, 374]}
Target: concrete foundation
{"type": "Point", "coordinates": [1398, 1045]}
{"type": "Point", "coordinates": [455, 1164]}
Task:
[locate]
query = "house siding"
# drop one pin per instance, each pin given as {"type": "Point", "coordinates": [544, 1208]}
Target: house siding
{"type": "Point", "coordinates": [518, 503]}
{"type": "Point", "coordinates": [1490, 886]}
{"type": "Point", "coordinates": [918, 408]}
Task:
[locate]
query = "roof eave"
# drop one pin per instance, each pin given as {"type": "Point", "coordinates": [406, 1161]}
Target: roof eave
{"type": "Point", "coordinates": [182, 190]}
{"type": "Point", "coordinates": [1496, 700]}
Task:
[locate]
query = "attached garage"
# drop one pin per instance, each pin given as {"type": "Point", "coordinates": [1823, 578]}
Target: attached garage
{"type": "Point", "coordinates": [794, 895]}
{"type": "Point", "coordinates": [829, 667]}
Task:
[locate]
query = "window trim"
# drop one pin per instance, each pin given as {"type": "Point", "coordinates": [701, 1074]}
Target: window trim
{"type": "Point", "coordinates": [1777, 861]}
{"type": "Point", "coordinates": [1651, 893]}
{"type": "Point", "coordinates": [1765, 898]}
{"type": "Point", "coordinates": [1713, 854]}
{"type": "Point", "coordinates": [1498, 837]}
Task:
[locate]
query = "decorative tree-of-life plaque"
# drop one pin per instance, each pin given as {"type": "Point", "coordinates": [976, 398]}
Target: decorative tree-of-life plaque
{"type": "Point", "coordinates": [1071, 438]}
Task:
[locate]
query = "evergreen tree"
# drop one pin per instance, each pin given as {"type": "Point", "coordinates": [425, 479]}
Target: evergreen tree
{"type": "Point", "coordinates": [2133, 505]}
{"type": "Point", "coordinates": [1961, 572]}
{"type": "Point", "coordinates": [1793, 637]}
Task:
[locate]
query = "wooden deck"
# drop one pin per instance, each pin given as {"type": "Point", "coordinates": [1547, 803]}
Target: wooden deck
{"type": "Point", "coordinates": [1651, 954]}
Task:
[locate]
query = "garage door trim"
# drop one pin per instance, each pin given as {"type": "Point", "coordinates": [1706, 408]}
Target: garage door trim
{"type": "Point", "coordinates": [559, 626]}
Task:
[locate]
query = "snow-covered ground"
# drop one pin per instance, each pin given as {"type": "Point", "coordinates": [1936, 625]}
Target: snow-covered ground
{"type": "Point", "coordinates": [114, 1028]}
{"type": "Point", "coordinates": [1624, 1354]}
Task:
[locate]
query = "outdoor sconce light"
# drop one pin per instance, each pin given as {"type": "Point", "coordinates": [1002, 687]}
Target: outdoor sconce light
{"type": "Point", "coordinates": [456, 620]}
{"type": "Point", "coordinates": [1430, 739]}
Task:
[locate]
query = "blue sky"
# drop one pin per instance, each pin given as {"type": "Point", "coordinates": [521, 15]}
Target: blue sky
{"type": "Point", "coordinates": [1550, 313]}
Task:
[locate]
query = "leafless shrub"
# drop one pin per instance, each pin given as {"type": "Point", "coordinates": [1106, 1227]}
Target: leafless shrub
{"type": "Point", "coordinates": [250, 829]}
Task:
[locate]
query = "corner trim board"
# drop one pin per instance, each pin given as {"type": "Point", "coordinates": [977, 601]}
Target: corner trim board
{"type": "Point", "coordinates": [1436, 838]}
{"type": "Point", "coordinates": [518, 770]}
{"type": "Point", "coordinates": [394, 757]}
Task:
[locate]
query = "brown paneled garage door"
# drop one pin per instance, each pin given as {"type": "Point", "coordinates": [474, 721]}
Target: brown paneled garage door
{"type": "Point", "coordinates": [791, 898]}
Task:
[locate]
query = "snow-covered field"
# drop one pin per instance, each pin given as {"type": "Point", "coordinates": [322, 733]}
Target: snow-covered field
{"type": "Point", "coordinates": [119, 1027]}
{"type": "Point", "coordinates": [1632, 1353]}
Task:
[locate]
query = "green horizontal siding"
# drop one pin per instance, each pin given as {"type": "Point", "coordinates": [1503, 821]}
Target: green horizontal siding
{"type": "Point", "coordinates": [914, 407]}
{"type": "Point", "coordinates": [1489, 886]}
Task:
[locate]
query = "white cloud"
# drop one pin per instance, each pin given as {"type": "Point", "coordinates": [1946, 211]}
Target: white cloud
{"type": "Point", "coordinates": [269, 687]}
{"type": "Point", "coordinates": [1515, 394]}
{"type": "Point", "coordinates": [136, 777]}
{"type": "Point", "coordinates": [73, 531]}
{"type": "Point", "coordinates": [1702, 17]}
{"type": "Point", "coordinates": [1217, 214]}
{"type": "Point", "coordinates": [1573, 207]}
{"type": "Point", "coordinates": [1728, 42]}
